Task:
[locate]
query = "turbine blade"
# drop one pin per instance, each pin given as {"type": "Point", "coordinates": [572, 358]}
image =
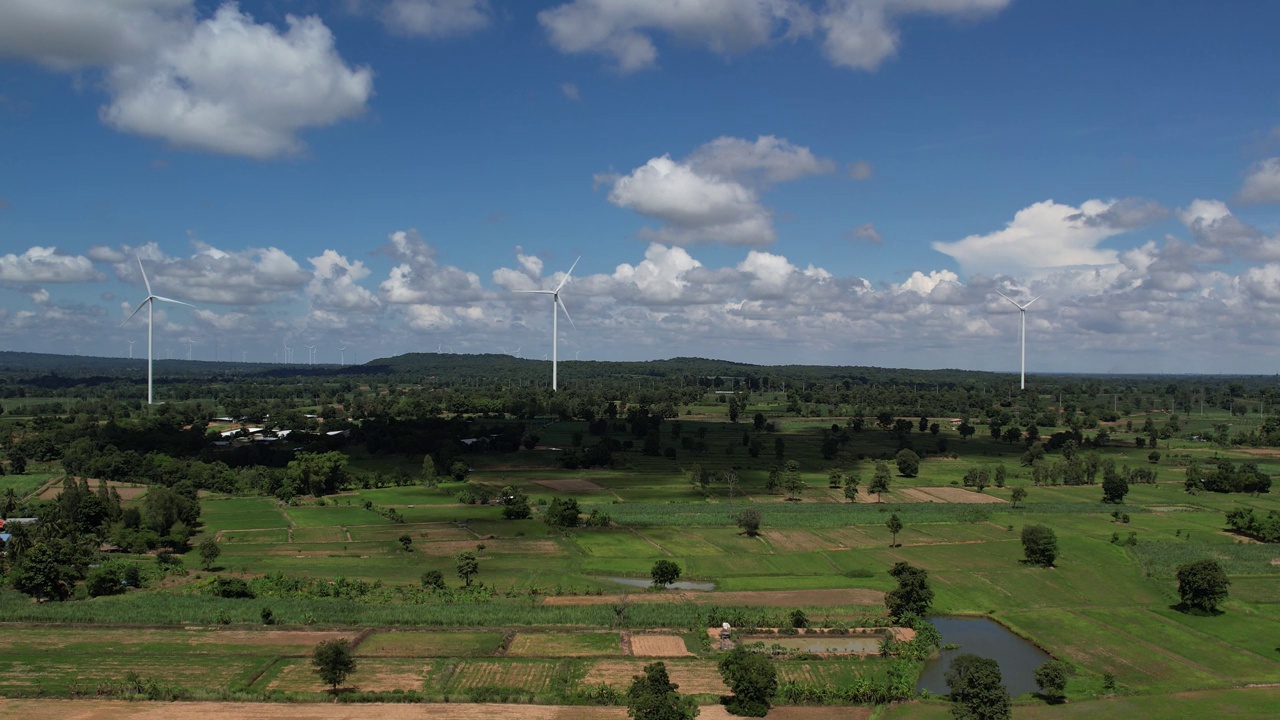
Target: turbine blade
{"type": "Point", "coordinates": [178, 302]}
{"type": "Point", "coordinates": [535, 292]}
{"type": "Point", "coordinates": [566, 312]}
{"type": "Point", "coordinates": [1024, 307]}
{"type": "Point", "coordinates": [135, 312]}
{"type": "Point", "coordinates": [565, 279]}
{"type": "Point", "coordinates": [145, 281]}
{"type": "Point", "coordinates": [1006, 297]}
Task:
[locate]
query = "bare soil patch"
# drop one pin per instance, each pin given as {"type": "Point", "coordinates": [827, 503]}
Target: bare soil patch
{"type": "Point", "coordinates": [560, 645]}
{"type": "Point", "coordinates": [570, 485]}
{"type": "Point", "coordinates": [757, 598]}
{"type": "Point", "coordinates": [658, 646]}
{"type": "Point", "coordinates": [128, 491]}
{"type": "Point", "coordinates": [701, 677]}
{"type": "Point", "coordinates": [959, 495]}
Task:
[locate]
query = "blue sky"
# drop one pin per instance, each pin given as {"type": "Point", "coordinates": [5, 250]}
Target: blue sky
{"type": "Point", "coordinates": [772, 181]}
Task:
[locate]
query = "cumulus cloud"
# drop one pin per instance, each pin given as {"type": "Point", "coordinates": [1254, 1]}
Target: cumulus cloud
{"type": "Point", "coordinates": [925, 284]}
{"type": "Point", "coordinates": [1262, 185]}
{"type": "Point", "coordinates": [1213, 225]}
{"type": "Point", "coordinates": [418, 279]}
{"type": "Point", "coordinates": [660, 277]}
{"type": "Point", "coordinates": [857, 34]}
{"type": "Point", "coordinates": [435, 18]}
{"type": "Point", "coordinates": [334, 284]}
{"type": "Point", "coordinates": [255, 276]}
{"type": "Point", "coordinates": [713, 196]}
{"type": "Point", "coordinates": [224, 84]}
{"type": "Point", "coordinates": [47, 265]}
{"type": "Point", "coordinates": [1042, 237]}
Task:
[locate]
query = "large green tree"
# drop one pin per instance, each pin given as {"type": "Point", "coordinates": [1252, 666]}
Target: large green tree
{"type": "Point", "coordinates": [1039, 545]}
{"type": "Point", "coordinates": [664, 572]}
{"type": "Point", "coordinates": [753, 679]}
{"type": "Point", "coordinates": [467, 566]}
{"type": "Point", "coordinates": [908, 462]}
{"type": "Point", "coordinates": [1052, 676]}
{"type": "Point", "coordinates": [1202, 585]}
{"type": "Point", "coordinates": [880, 480]}
{"type": "Point", "coordinates": [977, 689]}
{"type": "Point", "coordinates": [333, 661]}
{"type": "Point", "coordinates": [652, 696]}
{"type": "Point", "coordinates": [913, 596]}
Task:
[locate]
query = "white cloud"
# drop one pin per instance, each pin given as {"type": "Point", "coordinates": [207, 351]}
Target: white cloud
{"type": "Point", "coordinates": [334, 285]}
{"type": "Point", "coordinates": [696, 207]}
{"type": "Point", "coordinates": [225, 84]}
{"type": "Point", "coordinates": [1262, 185]}
{"type": "Point", "coordinates": [435, 18]}
{"type": "Point", "coordinates": [234, 86]}
{"type": "Point", "coordinates": [924, 284]}
{"type": "Point", "coordinates": [661, 276]}
{"type": "Point", "coordinates": [857, 34]}
{"type": "Point", "coordinates": [1042, 237]}
{"type": "Point", "coordinates": [769, 160]}
{"type": "Point", "coordinates": [621, 29]}
{"type": "Point", "coordinates": [772, 272]}
{"type": "Point", "coordinates": [1213, 225]}
{"type": "Point", "coordinates": [46, 265]}
{"type": "Point", "coordinates": [860, 34]}
{"type": "Point", "coordinates": [419, 279]}
{"type": "Point", "coordinates": [254, 276]}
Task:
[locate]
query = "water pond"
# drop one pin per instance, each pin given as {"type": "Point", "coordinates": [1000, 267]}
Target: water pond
{"type": "Point", "coordinates": [1018, 658]}
{"type": "Point", "coordinates": [678, 585]}
{"type": "Point", "coordinates": [823, 643]}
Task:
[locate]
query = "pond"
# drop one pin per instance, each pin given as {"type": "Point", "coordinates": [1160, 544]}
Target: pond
{"type": "Point", "coordinates": [981, 636]}
{"type": "Point", "coordinates": [679, 585]}
{"type": "Point", "coordinates": [823, 643]}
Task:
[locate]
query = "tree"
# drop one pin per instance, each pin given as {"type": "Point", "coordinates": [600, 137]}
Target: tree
{"type": "Point", "coordinates": [753, 679]}
{"type": "Point", "coordinates": [467, 566]}
{"type": "Point", "coordinates": [209, 551]}
{"type": "Point", "coordinates": [1039, 545]}
{"type": "Point", "coordinates": [908, 463]}
{"type": "Point", "coordinates": [652, 696]}
{"type": "Point", "coordinates": [1114, 488]}
{"type": "Point", "coordinates": [562, 513]}
{"type": "Point", "coordinates": [977, 690]}
{"type": "Point", "coordinates": [333, 661]}
{"type": "Point", "coordinates": [851, 489]}
{"type": "Point", "coordinates": [42, 574]}
{"type": "Point", "coordinates": [1202, 585]}
{"type": "Point", "coordinates": [880, 481]}
{"type": "Point", "coordinates": [433, 580]}
{"type": "Point", "coordinates": [1019, 494]}
{"type": "Point", "coordinates": [406, 542]}
{"type": "Point", "coordinates": [894, 523]}
{"type": "Point", "coordinates": [913, 596]}
{"type": "Point", "coordinates": [1052, 677]}
{"type": "Point", "coordinates": [664, 573]}
{"type": "Point", "coordinates": [793, 483]}
{"type": "Point", "coordinates": [429, 471]}
{"type": "Point", "coordinates": [749, 520]}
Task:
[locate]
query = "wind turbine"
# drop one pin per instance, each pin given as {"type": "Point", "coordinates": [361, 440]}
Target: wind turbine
{"type": "Point", "coordinates": [131, 342]}
{"type": "Point", "coordinates": [1022, 333]}
{"type": "Point", "coordinates": [555, 330]}
{"type": "Point", "coordinates": [288, 351]}
{"type": "Point", "coordinates": [191, 344]}
{"type": "Point", "coordinates": [342, 355]}
{"type": "Point", "coordinates": [150, 303]}
{"type": "Point", "coordinates": [311, 354]}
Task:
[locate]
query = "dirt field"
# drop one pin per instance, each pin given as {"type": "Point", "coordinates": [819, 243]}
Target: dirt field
{"type": "Point", "coordinates": [110, 710]}
{"type": "Point", "coordinates": [696, 678]}
{"type": "Point", "coordinates": [953, 495]}
{"type": "Point", "coordinates": [128, 491]}
{"type": "Point", "coordinates": [761, 598]}
{"type": "Point", "coordinates": [658, 646]}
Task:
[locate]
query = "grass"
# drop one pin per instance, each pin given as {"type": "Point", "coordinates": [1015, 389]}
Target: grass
{"type": "Point", "coordinates": [431, 644]}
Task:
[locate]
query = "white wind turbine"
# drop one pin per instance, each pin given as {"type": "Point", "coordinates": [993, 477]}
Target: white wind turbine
{"type": "Point", "coordinates": [311, 354]}
{"type": "Point", "coordinates": [555, 330]}
{"type": "Point", "coordinates": [191, 344]}
{"type": "Point", "coordinates": [131, 342]}
{"type": "Point", "coordinates": [1022, 334]}
{"type": "Point", "coordinates": [342, 355]}
{"type": "Point", "coordinates": [150, 303]}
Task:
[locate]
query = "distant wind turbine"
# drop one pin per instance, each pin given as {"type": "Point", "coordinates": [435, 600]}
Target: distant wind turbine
{"type": "Point", "coordinates": [131, 342]}
{"type": "Point", "coordinates": [311, 354]}
{"type": "Point", "coordinates": [342, 355]}
{"type": "Point", "coordinates": [191, 344]}
{"type": "Point", "coordinates": [1022, 333]}
{"type": "Point", "coordinates": [150, 303]}
{"type": "Point", "coordinates": [556, 302]}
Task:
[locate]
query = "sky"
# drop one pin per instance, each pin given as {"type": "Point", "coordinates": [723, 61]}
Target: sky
{"type": "Point", "coordinates": [845, 182]}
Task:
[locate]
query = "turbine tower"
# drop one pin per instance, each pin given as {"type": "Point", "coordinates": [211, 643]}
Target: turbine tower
{"type": "Point", "coordinates": [311, 354]}
{"type": "Point", "coordinates": [1022, 333]}
{"type": "Point", "coordinates": [556, 302]}
{"type": "Point", "coordinates": [150, 303]}
{"type": "Point", "coordinates": [342, 355]}
{"type": "Point", "coordinates": [131, 342]}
